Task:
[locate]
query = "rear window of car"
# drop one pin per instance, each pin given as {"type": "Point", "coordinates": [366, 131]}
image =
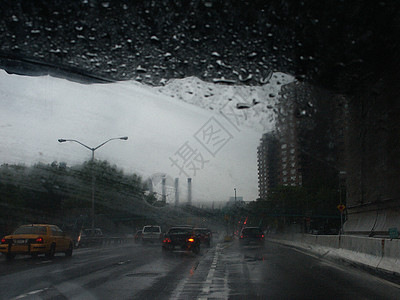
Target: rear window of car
{"type": "Point", "coordinates": [152, 229]}
{"type": "Point", "coordinates": [31, 230]}
{"type": "Point", "coordinates": [204, 231]}
{"type": "Point", "coordinates": [180, 230]}
{"type": "Point", "coordinates": [251, 231]}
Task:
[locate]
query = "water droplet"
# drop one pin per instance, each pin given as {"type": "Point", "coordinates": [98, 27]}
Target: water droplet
{"type": "Point", "coordinates": [244, 79]}
{"type": "Point", "coordinates": [223, 80]}
{"type": "Point", "coordinates": [116, 47]}
{"type": "Point", "coordinates": [141, 69]}
{"type": "Point", "coordinates": [55, 51]}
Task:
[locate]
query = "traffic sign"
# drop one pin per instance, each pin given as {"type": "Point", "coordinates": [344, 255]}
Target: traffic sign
{"type": "Point", "coordinates": [341, 207]}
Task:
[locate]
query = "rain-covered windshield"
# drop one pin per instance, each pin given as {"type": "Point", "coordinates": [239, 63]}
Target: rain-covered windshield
{"type": "Point", "coordinates": [279, 115]}
{"type": "Point", "coordinates": [31, 230]}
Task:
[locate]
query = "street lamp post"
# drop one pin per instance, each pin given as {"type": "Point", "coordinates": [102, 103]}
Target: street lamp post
{"type": "Point", "coordinates": [342, 174]}
{"type": "Point", "coordinates": [235, 211]}
{"type": "Point", "coordinates": [92, 162]}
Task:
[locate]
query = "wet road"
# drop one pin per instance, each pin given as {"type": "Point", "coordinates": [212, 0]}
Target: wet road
{"type": "Point", "coordinates": [225, 271]}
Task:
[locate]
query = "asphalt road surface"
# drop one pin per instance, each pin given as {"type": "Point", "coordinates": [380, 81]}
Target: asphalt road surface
{"type": "Point", "coordinates": [224, 271]}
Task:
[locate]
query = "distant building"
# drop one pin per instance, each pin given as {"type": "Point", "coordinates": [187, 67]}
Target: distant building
{"type": "Point", "coordinates": [268, 164]}
{"type": "Point", "coordinates": [278, 155]}
{"type": "Point", "coordinates": [237, 199]}
{"type": "Point", "coordinates": [287, 128]}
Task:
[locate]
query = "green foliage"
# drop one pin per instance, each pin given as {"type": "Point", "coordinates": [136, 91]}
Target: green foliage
{"type": "Point", "coordinates": [54, 191]}
{"type": "Point", "coordinates": [151, 198]}
{"type": "Point", "coordinates": [289, 199]}
{"type": "Point", "coordinates": [286, 204]}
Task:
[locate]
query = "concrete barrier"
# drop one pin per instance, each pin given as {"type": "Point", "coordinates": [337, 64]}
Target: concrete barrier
{"type": "Point", "coordinates": [379, 253]}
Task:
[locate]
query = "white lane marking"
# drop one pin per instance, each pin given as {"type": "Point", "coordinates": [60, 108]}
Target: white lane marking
{"type": "Point", "coordinates": [30, 294]}
{"type": "Point", "coordinates": [179, 288]}
{"type": "Point", "coordinates": [124, 262]}
{"type": "Point", "coordinates": [72, 290]}
{"type": "Point", "coordinates": [205, 294]}
{"type": "Point", "coordinates": [44, 262]}
{"type": "Point", "coordinates": [182, 284]}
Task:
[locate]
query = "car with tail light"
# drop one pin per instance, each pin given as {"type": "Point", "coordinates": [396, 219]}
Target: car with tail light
{"type": "Point", "coordinates": [181, 239]}
{"type": "Point", "coordinates": [251, 235]}
{"type": "Point", "coordinates": [35, 239]}
{"type": "Point", "coordinates": [205, 235]}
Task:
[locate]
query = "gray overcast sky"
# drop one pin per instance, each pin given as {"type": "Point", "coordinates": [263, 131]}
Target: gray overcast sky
{"type": "Point", "coordinates": [36, 111]}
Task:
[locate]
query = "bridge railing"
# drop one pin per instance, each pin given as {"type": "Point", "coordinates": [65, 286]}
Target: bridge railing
{"type": "Point", "coordinates": [102, 241]}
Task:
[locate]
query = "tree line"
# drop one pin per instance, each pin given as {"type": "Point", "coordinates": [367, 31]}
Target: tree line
{"type": "Point", "coordinates": [58, 193]}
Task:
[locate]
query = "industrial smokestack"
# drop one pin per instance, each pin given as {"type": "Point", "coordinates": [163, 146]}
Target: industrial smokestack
{"type": "Point", "coordinates": [164, 196]}
{"type": "Point", "coordinates": [189, 191]}
{"type": "Point", "coordinates": [176, 191]}
{"type": "Point", "coordinates": [150, 183]}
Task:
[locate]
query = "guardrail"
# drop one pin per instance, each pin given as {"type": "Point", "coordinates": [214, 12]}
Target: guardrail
{"type": "Point", "coordinates": [102, 241]}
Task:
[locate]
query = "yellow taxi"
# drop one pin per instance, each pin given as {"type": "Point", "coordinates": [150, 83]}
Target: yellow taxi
{"type": "Point", "coordinates": [35, 239]}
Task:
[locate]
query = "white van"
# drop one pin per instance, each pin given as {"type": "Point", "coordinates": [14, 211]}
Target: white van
{"type": "Point", "coordinates": [151, 233]}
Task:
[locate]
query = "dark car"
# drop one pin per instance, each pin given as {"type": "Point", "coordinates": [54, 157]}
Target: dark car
{"type": "Point", "coordinates": [181, 239]}
{"type": "Point", "coordinates": [205, 235]}
{"type": "Point", "coordinates": [90, 237]}
{"type": "Point", "coordinates": [251, 235]}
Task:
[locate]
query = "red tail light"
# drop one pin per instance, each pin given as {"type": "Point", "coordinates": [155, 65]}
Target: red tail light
{"type": "Point", "coordinates": [191, 240]}
{"type": "Point", "coordinates": [3, 241]}
{"type": "Point", "coordinates": [262, 236]}
{"type": "Point", "coordinates": [39, 240]}
{"type": "Point", "coordinates": [167, 240]}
